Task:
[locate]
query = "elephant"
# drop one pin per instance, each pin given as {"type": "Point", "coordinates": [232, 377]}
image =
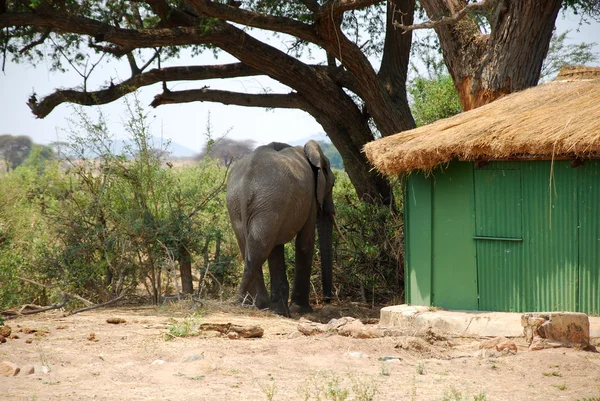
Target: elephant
{"type": "Point", "coordinates": [274, 194]}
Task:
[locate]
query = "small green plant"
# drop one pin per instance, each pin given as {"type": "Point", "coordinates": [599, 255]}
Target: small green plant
{"type": "Point", "coordinates": [185, 328]}
{"type": "Point", "coordinates": [421, 368]}
{"type": "Point", "coordinates": [553, 373]}
{"type": "Point", "coordinates": [334, 391]}
{"type": "Point", "coordinates": [480, 397]}
{"type": "Point", "coordinates": [453, 394]}
{"type": "Point", "coordinates": [269, 389]}
{"type": "Point", "coordinates": [364, 389]}
{"type": "Point", "coordinates": [1, 321]}
{"type": "Point", "coordinates": [561, 387]}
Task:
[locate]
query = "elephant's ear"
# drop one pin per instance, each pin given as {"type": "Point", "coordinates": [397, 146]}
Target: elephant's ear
{"type": "Point", "coordinates": [313, 153]}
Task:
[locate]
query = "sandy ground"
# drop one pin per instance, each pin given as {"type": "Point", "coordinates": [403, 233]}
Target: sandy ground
{"type": "Point", "coordinates": [137, 360]}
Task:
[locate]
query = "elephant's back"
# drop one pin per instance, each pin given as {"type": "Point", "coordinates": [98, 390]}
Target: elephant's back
{"type": "Point", "coordinates": [274, 189]}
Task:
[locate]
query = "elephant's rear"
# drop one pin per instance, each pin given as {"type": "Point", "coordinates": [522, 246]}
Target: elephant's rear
{"type": "Point", "coordinates": [269, 194]}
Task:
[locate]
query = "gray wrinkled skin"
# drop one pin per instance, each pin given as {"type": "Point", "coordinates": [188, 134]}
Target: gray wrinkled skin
{"type": "Point", "coordinates": [274, 194]}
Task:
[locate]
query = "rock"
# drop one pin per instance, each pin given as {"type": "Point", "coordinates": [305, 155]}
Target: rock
{"type": "Point", "coordinates": [192, 357]}
{"type": "Point", "coordinates": [357, 355]}
{"type": "Point", "coordinates": [309, 328]}
{"type": "Point", "coordinates": [356, 329]}
{"type": "Point", "coordinates": [500, 344]}
{"type": "Point", "coordinates": [29, 340]}
{"type": "Point", "coordinates": [486, 353]}
{"type": "Point", "coordinates": [158, 362]}
{"type": "Point", "coordinates": [8, 369]}
{"type": "Point", "coordinates": [2, 340]}
{"type": "Point", "coordinates": [241, 331]}
{"type": "Point", "coordinates": [232, 335]}
{"type": "Point", "coordinates": [42, 369]}
{"type": "Point", "coordinates": [14, 337]}
{"type": "Point", "coordinates": [5, 331]}
{"type": "Point", "coordinates": [335, 324]}
{"type": "Point", "coordinates": [568, 329]}
{"type": "Point", "coordinates": [414, 344]}
{"type": "Point", "coordinates": [27, 370]}
{"type": "Point", "coordinates": [92, 337]}
{"type": "Point", "coordinates": [295, 334]}
{"type": "Point", "coordinates": [390, 359]}
{"type": "Point", "coordinates": [507, 347]}
{"type": "Point", "coordinates": [115, 320]}
{"type": "Point", "coordinates": [491, 343]}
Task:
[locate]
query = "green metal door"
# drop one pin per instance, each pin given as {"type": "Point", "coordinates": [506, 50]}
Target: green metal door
{"type": "Point", "coordinates": [498, 234]}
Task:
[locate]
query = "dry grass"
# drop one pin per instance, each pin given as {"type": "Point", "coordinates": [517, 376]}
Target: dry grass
{"type": "Point", "coordinates": [557, 119]}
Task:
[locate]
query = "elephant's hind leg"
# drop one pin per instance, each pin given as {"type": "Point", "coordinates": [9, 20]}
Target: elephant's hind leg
{"type": "Point", "coordinates": [305, 248]}
{"type": "Point", "coordinates": [252, 288]}
{"type": "Point", "coordinates": [280, 288]}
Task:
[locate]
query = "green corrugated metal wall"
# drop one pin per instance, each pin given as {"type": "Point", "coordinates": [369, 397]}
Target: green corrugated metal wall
{"type": "Point", "coordinates": [589, 236]}
{"type": "Point", "coordinates": [505, 237]}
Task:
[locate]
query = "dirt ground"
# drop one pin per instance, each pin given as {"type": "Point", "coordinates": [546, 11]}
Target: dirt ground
{"type": "Point", "coordinates": [138, 360]}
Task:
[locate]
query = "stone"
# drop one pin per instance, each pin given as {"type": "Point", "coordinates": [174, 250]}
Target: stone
{"type": "Point", "coordinates": [27, 370]}
{"type": "Point", "coordinates": [192, 357]}
{"type": "Point", "coordinates": [8, 369]}
{"type": "Point", "coordinates": [158, 362]}
{"type": "Point", "coordinates": [309, 328]}
{"type": "Point", "coordinates": [5, 331]}
{"type": "Point", "coordinates": [29, 340]}
{"type": "Point", "coordinates": [491, 343]}
{"type": "Point", "coordinates": [356, 329]}
{"type": "Point", "coordinates": [486, 354]}
{"type": "Point", "coordinates": [500, 344]}
{"type": "Point", "coordinates": [232, 335]}
{"type": "Point", "coordinates": [507, 347]}
{"type": "Point", "coordinates": [568, 329]}
{"type": "Point", "coordinates": [2, 340]}
{"type": "Point", "coordinates": [357, 355]}
{"type": "Point", "coordinates": [44, 369]}
{"type": "Point", "coordinates": [115, 320]}
{"type": "Point", "coordinates": [390, 359]}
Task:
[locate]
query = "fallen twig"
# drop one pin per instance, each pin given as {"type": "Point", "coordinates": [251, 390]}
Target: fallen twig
{"type": "Point", "coordinates": [112, 301]}
{"type": "Point", "coordinates": [54, 288]}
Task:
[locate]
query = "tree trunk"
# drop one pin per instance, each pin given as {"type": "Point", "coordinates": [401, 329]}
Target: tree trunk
{"type": "Point", "coordinates": [485, 67]}
{"type": "Point", "coordinates": [185, 270]}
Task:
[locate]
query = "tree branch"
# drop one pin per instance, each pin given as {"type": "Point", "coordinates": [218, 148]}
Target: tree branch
{"type": "Point", "coordinates": [484, 5]}
{"type": "Point", "coordinates": [42, 108]}
{"type": "Point", "coordinates": [286, 101]}
{"type": "Point", "coordinates": [250, 18]}
{"type": "Point", "coordinates": [335, 8]}
{"type": "Point", "coordinates": [39, 41]}
{"type": "Point", "coordinates": [96, 306]}
{"type": "Point", "coordinates": [102, 32]}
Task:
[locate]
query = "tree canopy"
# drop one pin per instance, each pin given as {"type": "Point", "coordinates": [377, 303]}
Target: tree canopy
{"type": "Point", "coordinates": [322, 50]}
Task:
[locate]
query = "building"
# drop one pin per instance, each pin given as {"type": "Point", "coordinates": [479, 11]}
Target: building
{"type": "Point", "coordinates": [502, 203]}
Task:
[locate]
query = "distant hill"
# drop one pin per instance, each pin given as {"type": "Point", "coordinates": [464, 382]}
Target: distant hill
{"type": "Point", "coordinates": [176, 150]}
{"type": "Point", "coordinates": [330, 151]}
{"type": "Point", "coordinates": [319, 137]}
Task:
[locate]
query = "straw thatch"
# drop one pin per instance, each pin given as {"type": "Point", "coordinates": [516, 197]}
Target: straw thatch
{"type": "Point", "coordinates": [556, 119]}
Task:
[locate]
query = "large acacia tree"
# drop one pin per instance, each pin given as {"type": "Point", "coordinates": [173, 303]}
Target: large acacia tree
{"type": "Point", "coordinates": [353, 100]}
{"type": "Point", "coordinates": [491, 47]}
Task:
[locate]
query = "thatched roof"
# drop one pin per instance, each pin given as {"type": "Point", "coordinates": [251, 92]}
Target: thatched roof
{"type": "Point", "coordinates": [556, 119]}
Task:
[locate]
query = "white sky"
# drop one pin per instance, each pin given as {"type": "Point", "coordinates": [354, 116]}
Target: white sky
{"type": "Point", "coordinates": [183, 123]}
